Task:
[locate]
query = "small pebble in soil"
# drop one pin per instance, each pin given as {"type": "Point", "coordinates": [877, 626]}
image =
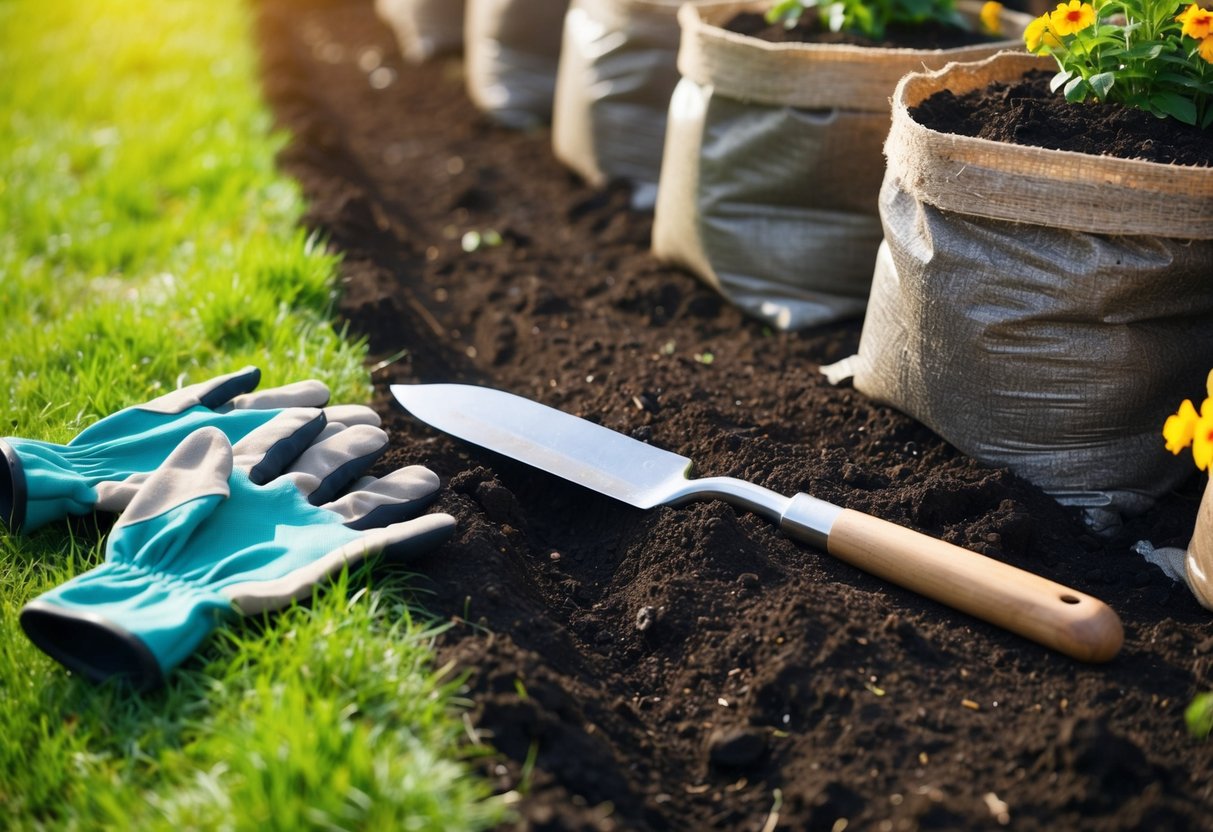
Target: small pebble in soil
{"type": "Point", "coordinates": [646, 617]}
{"type": "Point", "coordinates": [736, 747]}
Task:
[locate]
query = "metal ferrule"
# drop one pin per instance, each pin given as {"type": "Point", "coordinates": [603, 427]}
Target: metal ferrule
{"type": "Point", "coordinates": [810, 520]}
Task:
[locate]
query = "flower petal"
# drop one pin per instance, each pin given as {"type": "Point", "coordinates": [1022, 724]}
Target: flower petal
{"type": "Point", "coordinates": [1202, 444]}
{"type": "Point", "coordinates": [1180, 427]}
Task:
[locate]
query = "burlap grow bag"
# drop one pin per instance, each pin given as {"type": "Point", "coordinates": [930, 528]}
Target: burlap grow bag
{"type": "Point", "coordinates": [772, 164]}
{"type": "Point", "coordinates": [511, 51]}
{"type": "Point", "coordinates": [1039, 309]}
{"type": "Point", "coordinates": [423, 28]}
{"type": "Point", "coordinates": [618, 67]}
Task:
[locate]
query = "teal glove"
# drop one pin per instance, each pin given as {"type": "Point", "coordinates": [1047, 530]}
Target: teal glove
{"type": "Point", "coordinates": [202, 543]}
{"type": "Point", "coordinates": [41, 482]}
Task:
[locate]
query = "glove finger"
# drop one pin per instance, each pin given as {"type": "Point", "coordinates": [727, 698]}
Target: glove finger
{"type": "Point", "coordinates": [344, 416]}
{"type": "Point", "coordinates": [415, 537]}
{"type": "Point", "coordinates": [115, 496]}
{"type": "Point", "coordinates": [373, 503]}
{"type": "Point", "coordinates": [400, 540]}
{"type": "Point", "coordinates": [270, 449]}
{"type": "Point", "coordinates": [326, 468]}
{"type": "Point", "coordinates": [199, 467]}
{"type": "Point", "coordinates": [352, 414]}
{"type": "Point", "coordinates": [306, 393]}
{"type": "Point", "coordinates": [213, 394]}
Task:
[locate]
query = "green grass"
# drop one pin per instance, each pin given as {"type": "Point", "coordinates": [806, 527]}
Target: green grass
{"type": "Point", "coordinates": [146, 240]}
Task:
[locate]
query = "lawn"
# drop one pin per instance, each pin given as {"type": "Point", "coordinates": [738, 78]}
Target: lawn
{"type": "Point", "coordinates": [147, 241]}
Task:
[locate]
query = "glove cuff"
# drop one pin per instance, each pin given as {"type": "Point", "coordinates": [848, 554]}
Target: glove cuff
{"type": "Point", "coordinates": [41, 482]}
{"type": "Point", "coordinates": [91, 645]}
{"type": "Point", "coordinates": [122, 621]}
{"type": "Point", "coordinates": [14, 494]}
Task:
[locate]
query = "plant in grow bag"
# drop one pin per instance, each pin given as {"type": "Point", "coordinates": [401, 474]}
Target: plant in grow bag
{"type": "Point", "coordinates": [872, 17]}
{"type": "Point", "coordinates": [1153, 55]}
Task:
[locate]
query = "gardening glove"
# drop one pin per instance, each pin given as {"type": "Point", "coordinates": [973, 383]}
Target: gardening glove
{"type": "Point", "coordinates": [41, 482]}
{"type": "Point", "coordinates": [203, 543]}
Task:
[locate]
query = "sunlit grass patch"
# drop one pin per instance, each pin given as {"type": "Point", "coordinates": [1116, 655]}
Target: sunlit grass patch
{"type": "Point", "coordinates": [146, 240]}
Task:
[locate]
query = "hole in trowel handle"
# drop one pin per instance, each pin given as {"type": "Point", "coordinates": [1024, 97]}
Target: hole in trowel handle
{"type": "Point", "coordinates": [1070, 599]}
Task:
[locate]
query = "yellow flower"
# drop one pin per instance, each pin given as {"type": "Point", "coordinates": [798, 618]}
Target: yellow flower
{"type": "Point", "coordinates": [1197, 22]}
{"type": "Point", "coordinates": [1202, 437]}
{"type": "Point", "coordinates": [1037, 36]}
{"type": "Point", "coordinates": [1206, 49]}
{"type": "Point", "coordinates": [1187, 427]}
{"type": "Point", "coordinates": [1071, 17]}
{"type": "Point", "coordinates": [1180, 427]}
{"type": "Point", "coordinates": [991, 17]}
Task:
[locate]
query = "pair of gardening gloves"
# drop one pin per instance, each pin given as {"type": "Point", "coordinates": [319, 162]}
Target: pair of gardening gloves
{"type": "Point", "coordinates": [232, 502]}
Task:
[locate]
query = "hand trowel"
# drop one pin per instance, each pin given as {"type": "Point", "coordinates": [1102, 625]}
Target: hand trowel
{"type": "Point", "coordinates": [644, 476]}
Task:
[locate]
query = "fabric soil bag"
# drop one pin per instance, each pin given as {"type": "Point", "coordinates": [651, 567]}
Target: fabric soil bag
{"type": "Point", "coordinates": [423, 28]}
{"type": "Point", "coordinates": [511, 52]}
{"type": "Point", "coordinates": [1039, 309]}
{"type": "Point", "coordinates": [772, 163]}
{"type": "Point", "coordinates": [618, 68]}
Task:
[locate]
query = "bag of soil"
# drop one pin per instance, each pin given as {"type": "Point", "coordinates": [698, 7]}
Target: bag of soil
{"type": "Point", "coordinates": [618, 67]}
{"type": "Point", "coordinates": [423, 28]}
{"type": "Point", "coordinates": [1039, 309]}
{"type": "Point", "coordinates": [772, 163]}
{"type": "Point", "coordinates": [511, 51]}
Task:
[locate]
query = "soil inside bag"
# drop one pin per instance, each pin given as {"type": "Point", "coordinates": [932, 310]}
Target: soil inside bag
{"type": "Point", "coordinates": [1027, 112]}
{"type": "Point", "coordinates": [929, 35]}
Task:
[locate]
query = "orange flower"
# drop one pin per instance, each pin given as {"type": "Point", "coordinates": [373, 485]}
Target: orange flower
{"type": "Point", "coordinates": [1197, 22]}
{"type": "Point", "coordinates": [1206, 49]}
{"type": "Point", "coordinates": [1071, 17]}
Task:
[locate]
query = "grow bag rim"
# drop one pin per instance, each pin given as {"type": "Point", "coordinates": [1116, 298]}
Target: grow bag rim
{"type": "Point", "coordinates": [751, 69]}
{"type": "Point", "coordinates": [1035, 185]}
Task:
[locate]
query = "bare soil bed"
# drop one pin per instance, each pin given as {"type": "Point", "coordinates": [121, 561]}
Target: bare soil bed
{"type": "Point", "coordinates": [691, 668]}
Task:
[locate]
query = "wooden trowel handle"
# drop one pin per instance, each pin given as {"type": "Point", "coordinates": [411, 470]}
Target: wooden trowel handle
{"type": "Point", "coordinates": [1046, 612]}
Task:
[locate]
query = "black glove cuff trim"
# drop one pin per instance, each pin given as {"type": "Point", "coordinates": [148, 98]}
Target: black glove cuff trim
{"type": "Point", "coordinates": [14, 495]}
{"type": "Point", "coordinates": [90, 645]}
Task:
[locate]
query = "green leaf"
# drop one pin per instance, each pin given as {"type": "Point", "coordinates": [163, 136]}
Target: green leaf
{"type": "Point", "coordinates": [1077, 89]}
{"type": "Point", "coordinates": [916, 9]}
{"type": "Point", "coordinates": [955, 18]}
{"type": "Point", "coordinates": [1175, 106]}
{"type": "Point", "coordinates": [1178, 79]}
{"type": "Point", "coordinates": [1143, 52]}
{"type": "Point", "coordinates": [1199, 716]}
{"type": "Point", "coordinates": [785, 11]}
{"type": "Point", "coordinates": [1060, 79]}
{"type": "Point", "coordinates": [1102, 83]}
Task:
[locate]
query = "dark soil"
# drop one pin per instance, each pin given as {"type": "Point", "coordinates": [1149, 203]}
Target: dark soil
{"type": "Point", "coordinates": [810, 29]}
{"type": "Point", "coordinates": [690, 668]}
{"type": "Point", "coordinates": [1027, 112]}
